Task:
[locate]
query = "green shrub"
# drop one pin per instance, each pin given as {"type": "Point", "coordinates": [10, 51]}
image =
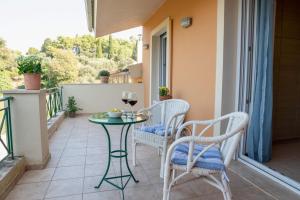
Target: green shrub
{"type": "Point", "coordinates": [29, 64]}
{"type": "Point", "coordinates": [72, 105]}
{"type": "Point", "coordinates": [163, 91]}
{"type": "Point", "coordinates": [103, 73]}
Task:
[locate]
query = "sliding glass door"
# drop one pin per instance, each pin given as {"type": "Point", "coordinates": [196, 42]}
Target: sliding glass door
{"type": "Point", "coordinates": [256, 84]}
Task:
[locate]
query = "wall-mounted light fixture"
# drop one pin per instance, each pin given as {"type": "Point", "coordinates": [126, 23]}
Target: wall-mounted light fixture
{"type": "Point", "coordinates": [145, 46]}
{"type": "Point", "coordinates": [186, 22]}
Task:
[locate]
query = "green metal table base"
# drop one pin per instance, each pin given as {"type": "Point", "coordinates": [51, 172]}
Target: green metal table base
{"type": "Point", "coordinates": [119, 153]}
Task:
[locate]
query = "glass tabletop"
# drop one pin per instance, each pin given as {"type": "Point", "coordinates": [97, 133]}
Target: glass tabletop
{"type": "Point", "coordinates": [103, 118]}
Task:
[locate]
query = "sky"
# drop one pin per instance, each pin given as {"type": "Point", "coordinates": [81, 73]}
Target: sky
{"type": "Point", "coordinates": [27, 23]}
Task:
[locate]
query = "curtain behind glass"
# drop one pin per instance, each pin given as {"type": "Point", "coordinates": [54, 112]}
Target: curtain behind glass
{"type": "Point", "coordinates": [259, 135]}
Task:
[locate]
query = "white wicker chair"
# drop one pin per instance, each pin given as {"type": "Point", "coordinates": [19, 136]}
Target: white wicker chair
{"type": "Point", "coordinates": [171, 114]}
{"type": "Point", "coordinates": [226, 143]}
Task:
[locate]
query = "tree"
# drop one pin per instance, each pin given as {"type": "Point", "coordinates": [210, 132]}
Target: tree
{"type": "Point", "coordinates": [32, 51]}
{"type": "Point", "coordinates": [99, 51]}
{"type": "Point", "coordinates": [8, 66]}
{"type": "Point", "coordinates": [5, 80]}
{"type": "Point", "coordinates": [134, 51]}
{"type": "Point", "coordinates": [110, 47]}
{"type": "Point", "coordinates": [62, 68]}
{"type": "Point", "coordinates": [2, 43]}
{"type": "Point", "coordinates": [71, 59]}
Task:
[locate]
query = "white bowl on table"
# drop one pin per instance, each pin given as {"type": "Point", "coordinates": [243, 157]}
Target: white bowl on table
{"type": "Point", "coordinates": [114, 114]}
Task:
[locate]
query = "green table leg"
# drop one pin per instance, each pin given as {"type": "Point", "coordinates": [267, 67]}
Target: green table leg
{"type": "Point", "coordinates": [122, 153]}
{"type": "Point", "coordinates": [126, 159]}
{"type": "Point", "coordinates": [109, 157]}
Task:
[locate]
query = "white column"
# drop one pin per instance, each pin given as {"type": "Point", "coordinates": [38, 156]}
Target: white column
{"type": "Point", "coordinates": [29, 126]}
{"type": "Point", "coordinates": [140, 50]}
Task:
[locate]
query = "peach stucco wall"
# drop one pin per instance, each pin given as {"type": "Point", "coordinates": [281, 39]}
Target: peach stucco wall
{"type": "Point", "coordinates": [193, 62]}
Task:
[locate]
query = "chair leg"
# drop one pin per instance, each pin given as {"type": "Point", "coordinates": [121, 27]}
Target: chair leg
{"type": "Point", "coordinates": [166, 195]}
{"type": "Point", "coordinates": [227, 192]}
{"type": "Point", "coordinates": [162, 161]}
{"type": "Point", "coordinates": [158, 151]}
{"type": "Point", "coordinates": [166, 191]}
{"type": "Point", "coordinates": [174, 174]}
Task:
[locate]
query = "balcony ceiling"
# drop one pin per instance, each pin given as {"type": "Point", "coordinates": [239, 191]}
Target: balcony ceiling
{"type": "Point", "coordinates": [116, 15]}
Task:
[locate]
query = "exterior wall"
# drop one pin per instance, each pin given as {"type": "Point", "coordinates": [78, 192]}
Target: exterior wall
{"type": "Point", "coordinates": [193, 53]}
{"type": "Point", "coordinates": [102, 97]}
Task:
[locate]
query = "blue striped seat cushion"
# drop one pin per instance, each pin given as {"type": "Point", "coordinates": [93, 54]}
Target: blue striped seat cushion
{"type": "Point", "coordinates": [158, 129]}
{"type": "Point", "coordinates": [211, 159]}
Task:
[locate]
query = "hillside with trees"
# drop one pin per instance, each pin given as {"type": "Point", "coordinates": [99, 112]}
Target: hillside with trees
{"type": "Point", "coordinates": [70, 59]}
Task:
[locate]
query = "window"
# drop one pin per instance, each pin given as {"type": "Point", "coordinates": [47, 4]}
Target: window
{"type": "Point", "coordinates": [163, 60]}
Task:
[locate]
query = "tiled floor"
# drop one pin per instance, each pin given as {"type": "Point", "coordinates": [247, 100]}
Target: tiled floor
{"type": "Point", "coordinates": [78, 151]}
{"type": "Point", "coordinates": [285, 162]}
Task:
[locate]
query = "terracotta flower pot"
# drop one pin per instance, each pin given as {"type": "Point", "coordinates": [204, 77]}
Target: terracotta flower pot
{"type": "Point", "coordinates": [72, 114]}
{"type": "Point", "coordinates": [32, 81]}
{"type": "Point", "coordinates": [162, 98]}
{"type": "Point", "coordinates": [104, 79]}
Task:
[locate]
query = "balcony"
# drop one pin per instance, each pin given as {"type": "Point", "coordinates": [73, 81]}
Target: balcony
{"type": "Point", "coordinates": [79, 149]}
{"type": "Point", "coordinates": [78, 156]}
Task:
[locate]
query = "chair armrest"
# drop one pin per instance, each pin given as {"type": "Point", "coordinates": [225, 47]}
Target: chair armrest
{"type": "Point", "coordinates": [195, 123]}
{"type": "Point", "coordinates": [174, 120]}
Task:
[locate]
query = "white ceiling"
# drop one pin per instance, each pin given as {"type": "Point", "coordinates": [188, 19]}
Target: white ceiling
{"type": "Point", "coordinates": [118, 15]}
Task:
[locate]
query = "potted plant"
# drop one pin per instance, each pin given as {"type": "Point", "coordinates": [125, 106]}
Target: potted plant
{"type": "Point", "coordinates": [72, 107]}
{"type": "Point", "coordinates": [31, 67]}
{"type": "Point", "coordinates": [104, 76]}
{"type": "Point", "coordinates": [164, 93]}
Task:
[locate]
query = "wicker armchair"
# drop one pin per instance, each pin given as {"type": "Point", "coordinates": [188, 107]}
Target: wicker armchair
{"type": "Point", "coordinates": [203, 156]}
{"type": "Point", "coordinates": [170, 115]}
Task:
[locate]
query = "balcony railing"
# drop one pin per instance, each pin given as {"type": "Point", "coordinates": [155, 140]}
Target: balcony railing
{"type": "Point", "coordinates": [119, 77]}
{"type": "Point", "coordinates": [54, 102]}
{"type": "Point", "coordinates": [6, 141]}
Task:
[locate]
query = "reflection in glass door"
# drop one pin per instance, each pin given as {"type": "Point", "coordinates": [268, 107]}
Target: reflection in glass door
{"type": "Point", "coordinates": [163, 60]}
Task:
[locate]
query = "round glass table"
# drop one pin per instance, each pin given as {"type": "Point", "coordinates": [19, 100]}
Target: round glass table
{"type": "Point", "coordinates": [126, 122]}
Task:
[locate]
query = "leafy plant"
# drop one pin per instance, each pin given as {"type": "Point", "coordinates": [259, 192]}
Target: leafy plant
{"type": "Point", "coordinates": [163, 91]}
{"type": "Point", "coordinates": [29, 64]}
{"type": "Point", "coordinates": [72, 105]}
{"type": "Point", "coordinates": [103, 73]}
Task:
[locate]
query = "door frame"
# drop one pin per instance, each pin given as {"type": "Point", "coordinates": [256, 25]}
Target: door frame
{"type": "Point", "coordinates": [163, 27]}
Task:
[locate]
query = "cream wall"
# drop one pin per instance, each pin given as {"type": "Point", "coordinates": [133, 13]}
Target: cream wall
{"type": "Point", "coordinates": [193, 53]}
{"type": "Point", "coordinates": [102, 97]}
{"type": "Point", "coordinates": [29, 126]}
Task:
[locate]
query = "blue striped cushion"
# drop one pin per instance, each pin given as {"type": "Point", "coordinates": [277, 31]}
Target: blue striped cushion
{"type": "Point", "coordinates": [211, 159]}
{"type": "Point", "coordinates": [150, 129]}
{"type": "Point", "coordinates": [157, 129]}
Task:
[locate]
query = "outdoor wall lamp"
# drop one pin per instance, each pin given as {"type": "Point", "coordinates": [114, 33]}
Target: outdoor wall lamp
{"type": "Point", "coordinates": [146, 46]}
{"type": "Point", "coordinates": [186, 22]}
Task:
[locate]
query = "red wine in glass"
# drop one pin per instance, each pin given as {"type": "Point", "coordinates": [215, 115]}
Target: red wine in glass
{"type": "Point", "coordinates": [125, 101]}
{"type": "Point", "coordinates": [132, 102]}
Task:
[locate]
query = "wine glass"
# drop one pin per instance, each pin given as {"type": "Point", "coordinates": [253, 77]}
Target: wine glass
{"type": "Point", "coordinates": [132, 100]}
{"type": "Point", "coordinates": [125, 99]}
{"type": "Point", "coordinates": [125, 96]}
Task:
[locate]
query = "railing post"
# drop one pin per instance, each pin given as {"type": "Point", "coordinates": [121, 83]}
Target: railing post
{"type": "Point", "coordinates": [61, 98]}
{"type": "Point", "coordinates": [9, 130]}
{"type": "Point", "coordinates": [28, 117]}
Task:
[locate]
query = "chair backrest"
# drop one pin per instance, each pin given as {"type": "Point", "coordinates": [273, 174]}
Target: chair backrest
{"type": "Point", "coordinates": [164, 110]}
{"type": "Point", "coordinates": [237, 123]}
